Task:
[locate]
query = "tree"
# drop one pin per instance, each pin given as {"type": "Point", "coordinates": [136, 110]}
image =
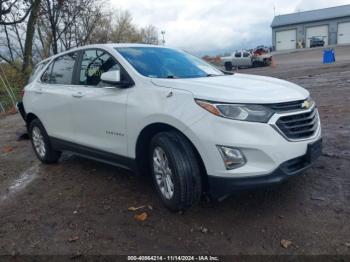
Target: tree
{"type": "Point", "coordinates": [14, 11]}
{"type": "Point", "coordinates": [53, 26]}
{"type": "Point", "coordinates": [102, 31]}
{"type": "Point", "coordinates": [81, 31]}
{"type": "Point", "coordinates": [123, 29]}
{"type": "Point", "coordinates": [28, 46]}
{"type": "Point", "coordinates": [150, 35]}
{"type": "Point", "coordinates": [58, 21]}
{"type": "Point", "coordinates": [116, 26]}
{"type": "Point", "coordinates": [12, 43]}
{"type": "Point", "coordinates": [19, 40]}
{"type": "Point", "coordinates": [31, 30]}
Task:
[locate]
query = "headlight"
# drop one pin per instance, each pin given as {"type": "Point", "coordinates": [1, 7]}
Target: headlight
{"type": "Point", "coordinates": [242, 112]}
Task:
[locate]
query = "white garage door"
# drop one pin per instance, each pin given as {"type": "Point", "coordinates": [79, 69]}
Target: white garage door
{"type": "Point", "coordinates": [286, 40]}
{"type": "Point", "coordinates": [317, 31]}
{"type": "Point", "coordinates": [344, 33]}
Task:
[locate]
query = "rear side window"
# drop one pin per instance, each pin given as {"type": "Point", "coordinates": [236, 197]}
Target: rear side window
{"type": "Point", "coordinates": [37, 69]}
{"type": "Point", "coordinates": [94, 63]}
{"type": "Point", "coordinates": [245, 54]}
{"type": "Point", "coordinates": [61, 70]}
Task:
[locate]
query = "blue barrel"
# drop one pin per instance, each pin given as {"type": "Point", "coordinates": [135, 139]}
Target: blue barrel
{"type": "Point", "coordinates": [328, 56]}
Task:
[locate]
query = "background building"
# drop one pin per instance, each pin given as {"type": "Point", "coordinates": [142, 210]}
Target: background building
{"type": "Point", "coordinates": [293, 31]}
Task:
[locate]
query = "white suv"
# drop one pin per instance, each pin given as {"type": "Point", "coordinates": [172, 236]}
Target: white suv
{"type": "Point", "coordinates": [160, 111]}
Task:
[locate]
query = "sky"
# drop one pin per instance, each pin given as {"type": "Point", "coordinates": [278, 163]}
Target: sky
{"type": "Point", "coordinates": [216, 26]}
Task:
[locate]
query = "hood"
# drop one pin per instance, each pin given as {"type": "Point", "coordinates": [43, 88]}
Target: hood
{"type": "Point", "coordinates": [238, 88]}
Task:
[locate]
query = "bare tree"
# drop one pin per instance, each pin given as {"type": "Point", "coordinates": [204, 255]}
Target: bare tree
{"type": "Point", "coordinates": [123, 28]}
{"type": "Point", "coordinates": [102, 31]}
{"type": "Point", "coordinates": [14, 11]}
{"type": "Point", "coordinates": [81, 31]}
{"type": "Point", "coordinates": [58, 25]}
{"type": "Point", "coordinates": [150, 35]}
{"type": "Point", "coordinates": [64, 25]}
{"type": "Point", "coordinates": [28, 47]}
{"type": "Point", "coordinates": [115, 26]}
{"type": "Point", "coordinates": [18, 41]}
{"type": "Point", "coordinates": [58, 21]}
{"type": "Point", "coordinates": [11, 44]}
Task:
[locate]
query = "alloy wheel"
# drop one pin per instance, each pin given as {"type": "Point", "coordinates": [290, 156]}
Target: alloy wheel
{"type": "Point", "coordinates": [163, 173]}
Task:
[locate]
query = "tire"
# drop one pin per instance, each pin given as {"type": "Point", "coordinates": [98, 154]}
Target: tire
{"type": "Point", "coordinates": [41, 143]}
{"type": "Point", "coordinates": [184, 175]}
{"type": "Point", "coordinates": [228, 66]}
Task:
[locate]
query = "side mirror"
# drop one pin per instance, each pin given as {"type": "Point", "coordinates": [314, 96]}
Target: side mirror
{"type": "Point", "coordinates": [111, 77]}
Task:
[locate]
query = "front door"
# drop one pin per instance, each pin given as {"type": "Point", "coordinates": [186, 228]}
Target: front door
{"type": "Point", "coordinates": [247, 59]}
{"type": "Point", "coordinates": [99, 109]}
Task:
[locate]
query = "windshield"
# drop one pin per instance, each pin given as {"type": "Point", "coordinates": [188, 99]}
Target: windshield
{"type": "Point", "coordinates": [166, 63]}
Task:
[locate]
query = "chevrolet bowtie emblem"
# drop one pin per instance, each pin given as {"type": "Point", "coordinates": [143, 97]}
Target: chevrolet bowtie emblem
{"type": "Point", "coordinates": [305, 104]}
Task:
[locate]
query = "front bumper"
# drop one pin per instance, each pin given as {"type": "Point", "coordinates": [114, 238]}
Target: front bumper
{"type": "Point", "coordinates": [221, 187]}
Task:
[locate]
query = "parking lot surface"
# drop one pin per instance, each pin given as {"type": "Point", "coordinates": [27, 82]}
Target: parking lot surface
{"type": "Point", "coordinates": [82, 207]}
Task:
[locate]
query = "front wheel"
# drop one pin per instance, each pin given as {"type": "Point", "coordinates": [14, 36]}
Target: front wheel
{"type": "Point", "coordinates": [175, 170]}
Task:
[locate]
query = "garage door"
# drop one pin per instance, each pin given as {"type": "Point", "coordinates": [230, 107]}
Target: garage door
{"type": "Point", "coordinates": [286, 40]}
{"type": "Point", "coordinates": [317, 31]}
{"type": "Point", "coordinates": [344, 33]}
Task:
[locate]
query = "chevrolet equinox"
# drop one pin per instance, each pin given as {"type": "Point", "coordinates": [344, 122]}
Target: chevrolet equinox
{"type": "Point", "coordinates": [161, 111]}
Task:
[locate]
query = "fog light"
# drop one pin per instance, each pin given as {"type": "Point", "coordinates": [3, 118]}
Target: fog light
{"type": "Point", "coordinates": [233, 158]}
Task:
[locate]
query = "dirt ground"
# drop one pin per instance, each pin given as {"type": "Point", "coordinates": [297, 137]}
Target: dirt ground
{"type": "Point", "coordinates": [81, 207]}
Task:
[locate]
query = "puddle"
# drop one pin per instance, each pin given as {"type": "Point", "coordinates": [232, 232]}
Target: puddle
{"type": "Point", "coordinates": [20, 183]}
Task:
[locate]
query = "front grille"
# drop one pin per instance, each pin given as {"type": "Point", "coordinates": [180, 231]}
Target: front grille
{"type": "Point", "coordinates": [287, 106]}
{"type": "Point", "coordinates": [299, 126]}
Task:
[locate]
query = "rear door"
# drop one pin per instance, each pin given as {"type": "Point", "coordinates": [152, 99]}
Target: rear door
{"type": "Point", "coordinates": [99, 109]}
{"type": "Point", "coordinates": [53, 96]}
{"type": "Point", "coordinates": [246, 59]}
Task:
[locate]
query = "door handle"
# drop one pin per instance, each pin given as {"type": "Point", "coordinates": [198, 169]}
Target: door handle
{"type": "Point", "coordinates": [78, 95]}
{"type": "Point", "coordinates": [38, 91]}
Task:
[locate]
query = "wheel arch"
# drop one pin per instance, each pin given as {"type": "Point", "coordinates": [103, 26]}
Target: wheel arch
{"type": "Point", "coordinates": [228, 63]}
{"type": "Point", "coordinates": [29, 118]}
{"type": "Point", "coordinates": [143, 142]}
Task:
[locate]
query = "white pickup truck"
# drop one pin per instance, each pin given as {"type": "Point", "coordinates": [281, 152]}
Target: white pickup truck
{"type": "Point", "coordinates": [244, 58]}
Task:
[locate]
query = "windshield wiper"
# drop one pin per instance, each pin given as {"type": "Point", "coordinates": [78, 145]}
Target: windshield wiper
{"type": "Point", "coordinates": [171, 76]}
{"type": "Point", "coordinates": [211, 75]}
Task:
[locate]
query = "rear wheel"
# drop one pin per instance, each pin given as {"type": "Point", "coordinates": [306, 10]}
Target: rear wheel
{"type": "Point", "coordinates": [175, 170]}
{"type": "Point", "coordinates": [228, 66]}
{"type": "Point", "coordinates": [41, 143]}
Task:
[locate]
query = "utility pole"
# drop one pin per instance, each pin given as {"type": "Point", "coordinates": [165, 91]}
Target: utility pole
{"type": "Point", "coordinates": [163, 36]}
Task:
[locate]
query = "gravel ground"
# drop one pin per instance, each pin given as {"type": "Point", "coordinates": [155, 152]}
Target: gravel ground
{"type": "Point", "coordinates": [81, 207]}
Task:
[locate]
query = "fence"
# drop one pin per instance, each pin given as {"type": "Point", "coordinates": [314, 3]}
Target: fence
{"type": "Point", "coordinates": [9, 88]}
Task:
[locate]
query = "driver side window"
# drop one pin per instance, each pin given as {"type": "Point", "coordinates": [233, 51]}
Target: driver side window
{"type": "Point", "coordinates": [93, 64]}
